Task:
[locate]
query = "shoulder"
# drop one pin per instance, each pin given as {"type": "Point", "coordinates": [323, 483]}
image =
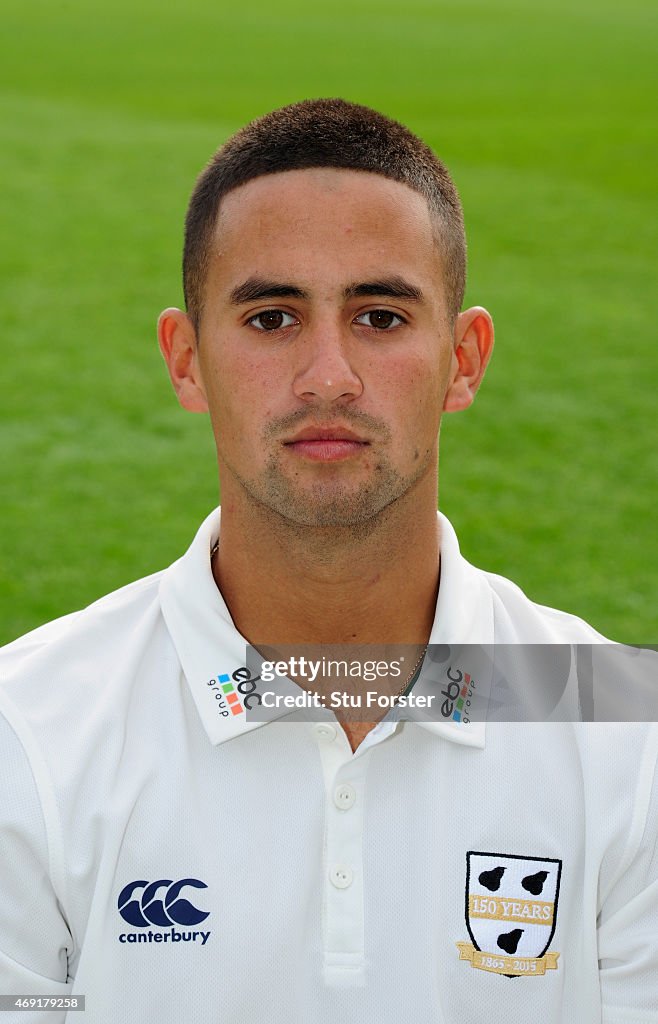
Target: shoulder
{"type": "Point", "coordinates": [63, 660]}
{"type": "Point", "coordinates": [78, 678]}
{"type": "Point", "coordinates": [108, 611]}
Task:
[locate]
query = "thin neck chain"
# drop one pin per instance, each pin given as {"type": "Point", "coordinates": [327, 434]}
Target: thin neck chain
{"type": "Point", "coordinates": [410, 677]}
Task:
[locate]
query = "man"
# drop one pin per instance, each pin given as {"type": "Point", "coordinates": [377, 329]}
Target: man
{"type": "Point", "coordinates": [170, 856]}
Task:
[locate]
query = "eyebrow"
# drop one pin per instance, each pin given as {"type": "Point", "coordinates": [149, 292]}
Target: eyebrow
{"type": "Point", "coordinates": [256, 288]}
{"type": "Point", "coordinates": [393, 287]}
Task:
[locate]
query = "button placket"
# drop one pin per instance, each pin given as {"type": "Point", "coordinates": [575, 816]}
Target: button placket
{"type": "Point", "coordinates": [343, 867]}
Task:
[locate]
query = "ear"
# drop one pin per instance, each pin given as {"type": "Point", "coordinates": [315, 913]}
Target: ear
{"type": "Point", "coordinates": [178, 344]}
{"type": "Point", "coordinates": [473, 343]}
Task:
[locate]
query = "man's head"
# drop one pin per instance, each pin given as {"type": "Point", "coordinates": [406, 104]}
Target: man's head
{"type": "Point", "coordinates": [323, 133]}
{"type": "Point", "coordinates": [327, 340]}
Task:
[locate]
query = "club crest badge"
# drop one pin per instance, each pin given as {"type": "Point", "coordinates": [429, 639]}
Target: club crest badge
{"type": "Point", "coordinates": [511, 910]}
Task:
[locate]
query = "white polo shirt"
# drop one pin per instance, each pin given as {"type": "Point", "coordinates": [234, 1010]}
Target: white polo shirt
{"type": "Point", "coordinates": [172, 863]}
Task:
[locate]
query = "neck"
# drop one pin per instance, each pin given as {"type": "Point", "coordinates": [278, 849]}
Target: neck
{"type": "Point", "coordinates": [289, 584]}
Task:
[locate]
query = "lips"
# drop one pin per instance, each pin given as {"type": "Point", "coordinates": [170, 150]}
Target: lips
{"type": "Point", "coordinates": [325, 444]}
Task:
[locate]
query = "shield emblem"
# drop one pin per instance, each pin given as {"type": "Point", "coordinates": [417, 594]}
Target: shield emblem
{"type": "Point", "coordinates": [511, 910]}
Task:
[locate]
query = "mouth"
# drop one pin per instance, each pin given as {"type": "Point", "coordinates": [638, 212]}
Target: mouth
{"type": "Point", "coordinates": [325, 444]}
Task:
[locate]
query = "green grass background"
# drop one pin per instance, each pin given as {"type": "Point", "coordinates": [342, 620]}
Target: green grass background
{"type": "Point", "coordinates": [543, 112]}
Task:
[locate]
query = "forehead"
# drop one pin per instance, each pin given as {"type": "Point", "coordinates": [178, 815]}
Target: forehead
{"type": "Point", "coordinates": [324, 220]}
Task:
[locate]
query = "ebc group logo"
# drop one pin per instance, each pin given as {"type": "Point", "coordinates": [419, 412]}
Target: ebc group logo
{"type": "Point", "coordinates": [457, 693]}
{"type": "Point", "coordinates": [235, 693]}
{"type": "Point", "coordinates": [142, 904]}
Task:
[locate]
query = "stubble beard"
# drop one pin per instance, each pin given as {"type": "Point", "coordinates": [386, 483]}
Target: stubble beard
{"type": "Point", "coordinates": [324, 504]}
{"type": "Point", "coordinates": [331, 506]}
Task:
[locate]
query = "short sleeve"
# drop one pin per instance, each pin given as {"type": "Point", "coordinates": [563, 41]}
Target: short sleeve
{"type": "Point", "coordinates": [35, 941]}
{"type": "Point", "coordinates": [628, 920]}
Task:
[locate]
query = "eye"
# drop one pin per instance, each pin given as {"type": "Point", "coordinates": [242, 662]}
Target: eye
{"type": "Point", "coordinates": [380, 319]}
{"type": "Point", "coordinates": [272, 320]}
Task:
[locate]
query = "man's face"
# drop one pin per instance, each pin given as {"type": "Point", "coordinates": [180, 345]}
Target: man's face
{"type": "Point", "coordinates": [325, 348]}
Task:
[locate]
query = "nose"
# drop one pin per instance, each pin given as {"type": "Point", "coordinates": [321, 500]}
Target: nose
{"type": "Point", "coordinates": [326, 372]}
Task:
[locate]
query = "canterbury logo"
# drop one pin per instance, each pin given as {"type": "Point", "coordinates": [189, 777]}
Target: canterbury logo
{"type": "Point", "coordinates": [156, 907]}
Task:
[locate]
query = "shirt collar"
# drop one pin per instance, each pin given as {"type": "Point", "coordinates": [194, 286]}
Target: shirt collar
{"type": "Point", "coordinates": [212, 652]}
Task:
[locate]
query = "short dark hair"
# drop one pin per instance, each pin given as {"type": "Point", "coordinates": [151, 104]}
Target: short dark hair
{"type": "Point", "coordinates": [323, 133]}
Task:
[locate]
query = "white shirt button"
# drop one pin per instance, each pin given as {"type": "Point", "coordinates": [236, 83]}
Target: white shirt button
{"type": "Point", "coordinates": [345, 796]}
{"type": "Point", "coordinates": [325, 732]}
{"type": "Point", "coordinates": [341, 876]}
